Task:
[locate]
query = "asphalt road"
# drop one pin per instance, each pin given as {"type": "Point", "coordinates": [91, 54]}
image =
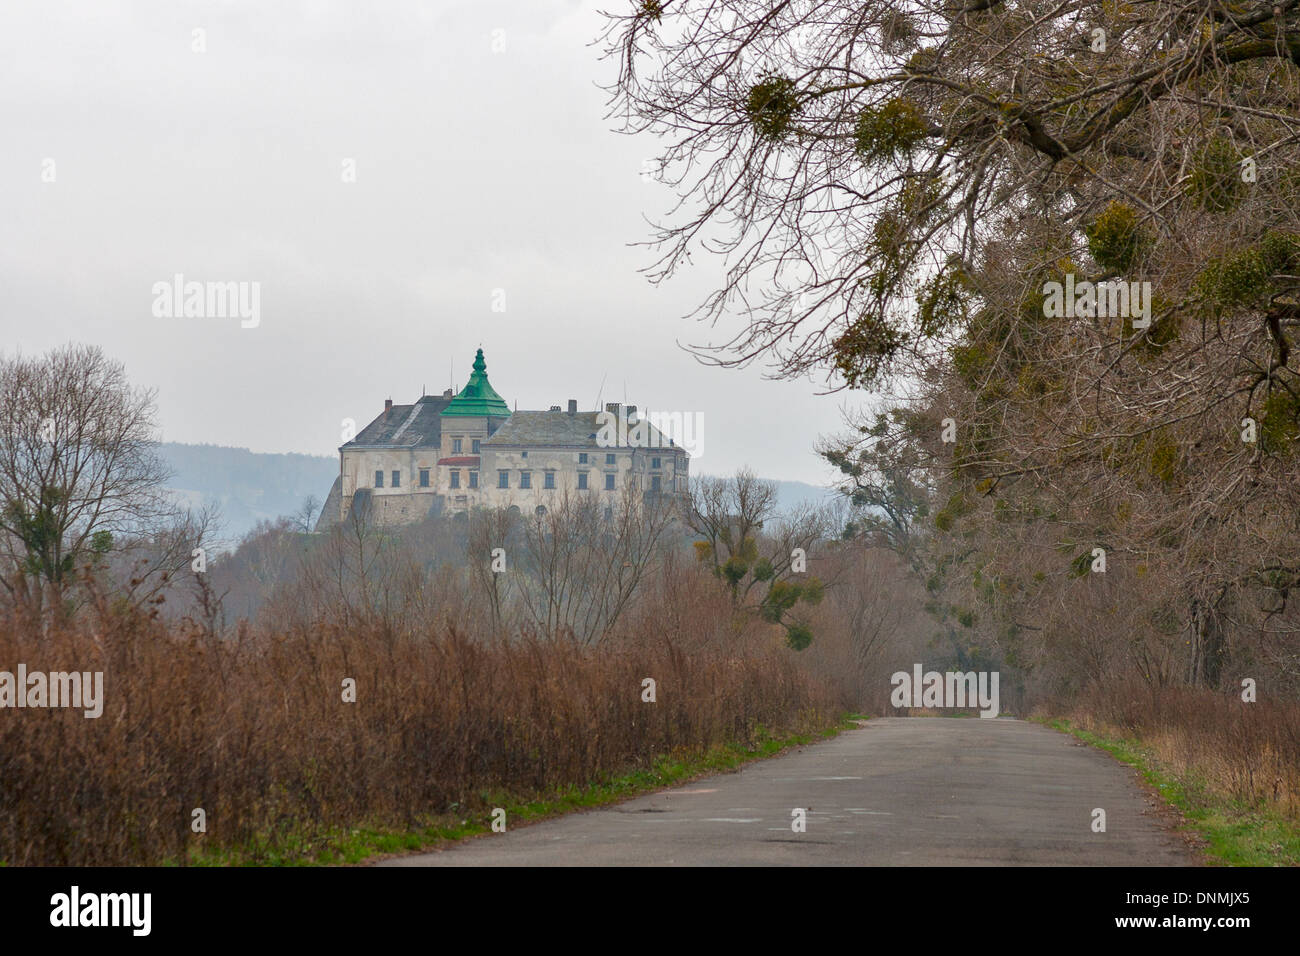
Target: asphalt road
{"type": "Point", "coordinates": [896, 791]}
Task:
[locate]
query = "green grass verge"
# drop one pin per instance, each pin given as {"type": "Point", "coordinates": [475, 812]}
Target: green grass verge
{"type": "Point", "coordinates": [1235, 834]}
{"type": "Point", "coordinates": [353, 845]}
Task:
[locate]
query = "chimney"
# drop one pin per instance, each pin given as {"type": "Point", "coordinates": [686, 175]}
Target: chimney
{"type": "Point", "coordinates": [388, 407]}
{"type": "Point", "coordinates": [612, 407]}
{"type": "Point", "coordinates": [447, 394]}
{"type": "Point", "coordinates": [573, 406]}
{"type": "Point", "coordinates": [631, 413]}
{"type": "Point", "coordinates": [555, 408]}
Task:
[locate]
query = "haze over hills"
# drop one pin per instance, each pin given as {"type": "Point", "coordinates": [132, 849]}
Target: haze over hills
{"type": "Point", "coordinates": [247, 486]}
{"type": "Point", "coordinates": [253, 486]}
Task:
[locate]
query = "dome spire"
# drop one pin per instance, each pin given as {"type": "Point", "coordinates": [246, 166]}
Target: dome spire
{"type": "Point", "coordinates": [478, 397]}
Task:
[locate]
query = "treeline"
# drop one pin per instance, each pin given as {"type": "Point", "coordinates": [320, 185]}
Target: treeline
{"type": "Point", "coordinates": [722, 566]}
{"type": "Point", "coordinates": [1064, 249]}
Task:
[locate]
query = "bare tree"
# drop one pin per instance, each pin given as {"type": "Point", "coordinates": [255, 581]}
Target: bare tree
{"type": "Point", "coordinates": [491, 536]}
{"type": "Point", "coordinates": [143, 568]}
{"type": "Point", "coordinates": [78, 468]}
{"type": "Point", "coordinates": [759, 554]}
{"type": "Point", "coordinates": [904, 192]}
{"type": "Point", "coordinates": [585, 558]}
{"type": "Point", "coordinates": [886, 482]}
{"type": "Point", "coordinates": [304, 519]}
{"type": "Point", "coordinates": [859, 162]}
{"type": "Point", "coordinates": [729, 513]}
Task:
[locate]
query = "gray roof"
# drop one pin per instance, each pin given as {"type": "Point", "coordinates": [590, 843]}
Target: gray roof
{"type": "Point", "coordinates": [562, 430]}
{"type": "Point", "coordinates": [420, 426]}
{"type": "Point", "coordinates": [404, 426]}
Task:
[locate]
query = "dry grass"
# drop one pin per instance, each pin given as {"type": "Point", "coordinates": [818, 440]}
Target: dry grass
{"type": "Point", "coordinates": [1247, 754]}
{"type": "Point", "coordinates": [254, 730]}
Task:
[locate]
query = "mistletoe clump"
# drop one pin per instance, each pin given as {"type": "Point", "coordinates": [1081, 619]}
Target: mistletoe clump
{"type": "Point", "coordinates": [772, 106]}
{"type": "Point", "coordinates": [1116, 239]}
{"type": "Point", "coordinates": [892, 130]}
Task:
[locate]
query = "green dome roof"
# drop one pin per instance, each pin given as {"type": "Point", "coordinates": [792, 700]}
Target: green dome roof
{"type": "Point", "coordinates": [478, 398]}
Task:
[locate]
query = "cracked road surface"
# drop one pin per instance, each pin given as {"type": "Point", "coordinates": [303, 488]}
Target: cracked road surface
{"type": "Point", "coordinates": [894, 792]}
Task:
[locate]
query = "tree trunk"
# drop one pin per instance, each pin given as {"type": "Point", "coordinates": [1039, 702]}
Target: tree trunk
{"type": "Point", "coordinates": [1205, 663]}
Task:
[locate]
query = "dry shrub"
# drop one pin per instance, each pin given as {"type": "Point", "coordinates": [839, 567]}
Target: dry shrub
{"type": "Point", "coordinates": [253, 728]}
{"type": "Point", "coordinates": [1247, 752]}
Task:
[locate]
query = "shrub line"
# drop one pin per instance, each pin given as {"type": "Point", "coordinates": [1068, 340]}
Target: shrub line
{"type": "Point", "coordinates": [366, 845]}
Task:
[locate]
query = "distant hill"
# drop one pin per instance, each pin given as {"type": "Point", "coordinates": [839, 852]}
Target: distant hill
{"type": "Point", "coordinates": [249, 486]}
{"type": "Point", "coordinates": [252, 486]}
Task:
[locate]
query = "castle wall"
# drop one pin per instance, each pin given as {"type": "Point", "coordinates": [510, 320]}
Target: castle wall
{"type": "Point", "coordinates": [630, 466]}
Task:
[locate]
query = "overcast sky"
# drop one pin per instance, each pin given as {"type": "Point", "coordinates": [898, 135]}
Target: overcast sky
{"type": "Point", "coordinates": [475, 170]}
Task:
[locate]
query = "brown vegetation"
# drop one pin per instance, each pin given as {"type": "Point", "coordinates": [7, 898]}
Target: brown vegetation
{"type": "Point", "coordinates": [459, 700]}
{"type": "Point", "coordinates": [255, 731]}
{"type": "Point", "coordinates": [1246, 753]}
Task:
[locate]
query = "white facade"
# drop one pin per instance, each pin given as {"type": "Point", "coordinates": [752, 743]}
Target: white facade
{"type": "Point", "coordinates": [527, 460]}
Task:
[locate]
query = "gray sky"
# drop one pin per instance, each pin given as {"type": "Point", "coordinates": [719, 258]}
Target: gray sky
{"type": "Point", "coordinates": [476, 170]}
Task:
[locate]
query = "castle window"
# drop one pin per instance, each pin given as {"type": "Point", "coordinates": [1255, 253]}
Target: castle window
{"type": "Point", "coordinates": [609, 482]}
{"type": "Point", "coordinates": [379, 479]}
{"type": "Point", "coordinates": [582, 481]}
{"type": "Point", "coordinates": [473, 479]}
{"type": "Point", "coordinates": [523, 454]}
{"type": "Point", "coordinates": [525, 479]}
{"type": "Point", "coordinates": [609, 459]}
{"type": "Point", "coordinates": [397, 479]}
{"type": "Point", "coordinates": [654, 482]}
{"type": "Point", "coordinates": [475, 445]}
{"type": "Point", "coordinates": [455, 479]}
{"type": "Point", "coordinates": [582, 457]}
{"type": "Point", "coordinates": [654, 463]}
{"type": "Point", "coordinates": [424, 477]}
{"type": "Point", "coordinates": [549, 482]}
{"type": "Point", "coordinates": [455, 446]}
{"type": "Point", "coordinates": [503, 479]}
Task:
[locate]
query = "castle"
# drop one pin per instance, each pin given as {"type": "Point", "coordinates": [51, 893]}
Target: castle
{"type": "Point", "coordinates": [450, 453]}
